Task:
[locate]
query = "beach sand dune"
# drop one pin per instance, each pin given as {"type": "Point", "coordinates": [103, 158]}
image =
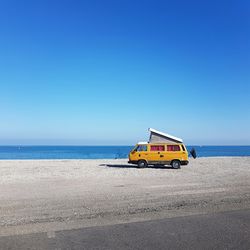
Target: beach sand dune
{"type": "Point", "coordinates": [50, 195]}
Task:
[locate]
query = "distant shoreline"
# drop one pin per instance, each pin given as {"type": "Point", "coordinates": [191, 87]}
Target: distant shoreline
{"type": "Point", "coordinates": [119, 159]}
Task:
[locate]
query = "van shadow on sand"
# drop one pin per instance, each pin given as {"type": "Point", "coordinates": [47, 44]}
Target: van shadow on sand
{"type": "Point", "coordinates": [135, 166]}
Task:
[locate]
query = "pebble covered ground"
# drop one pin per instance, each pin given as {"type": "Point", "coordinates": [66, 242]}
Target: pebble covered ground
{"type": "Point", "coordinates": [37, 195]}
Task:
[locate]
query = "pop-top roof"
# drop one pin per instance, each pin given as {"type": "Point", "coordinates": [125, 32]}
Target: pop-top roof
{"type": "Point", "coordinates": [157, 136]}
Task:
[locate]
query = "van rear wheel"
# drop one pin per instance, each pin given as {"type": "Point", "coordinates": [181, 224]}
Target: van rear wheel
{"type": "Point", "coordinates": [176, 164]}
{"type": "Point", "coordinates": [142, 164]}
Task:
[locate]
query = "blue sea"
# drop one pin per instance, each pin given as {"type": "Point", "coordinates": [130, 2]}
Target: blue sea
{"type": "Point", "coordinates": [104, 152]}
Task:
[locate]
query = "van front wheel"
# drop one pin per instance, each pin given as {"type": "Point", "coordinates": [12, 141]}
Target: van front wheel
{"type": "Point", "coordinates": [142, 164]}
{"type": "Point", "coordinates": [176, 164]}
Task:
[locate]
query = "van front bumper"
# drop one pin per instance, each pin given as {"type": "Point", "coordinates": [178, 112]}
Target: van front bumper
{"type": "Point", "coordinates": [184, 162]}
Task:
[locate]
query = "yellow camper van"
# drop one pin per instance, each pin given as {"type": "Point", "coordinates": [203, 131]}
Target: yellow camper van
{"type": "Point", "coordinates": [162, 149]}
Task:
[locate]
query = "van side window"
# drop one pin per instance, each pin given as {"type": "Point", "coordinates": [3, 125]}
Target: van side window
{"type": "Point", "coordinates": [183, 148]}
{"type": "Point", "coordinates": [157, 148]}
{"type": "Point", "coordinates": [173, 148]}
{"type": "Point", "coordinates": [142, 148]}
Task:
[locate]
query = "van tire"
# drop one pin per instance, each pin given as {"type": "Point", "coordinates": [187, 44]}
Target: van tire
{"type": "Point", "coordinates": [176, 164]}
{"type": "Point", "coordinates": [142, 164]}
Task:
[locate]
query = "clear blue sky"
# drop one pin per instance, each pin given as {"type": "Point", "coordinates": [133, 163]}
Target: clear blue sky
{"type": "Point", "coordinates": [102, 72]}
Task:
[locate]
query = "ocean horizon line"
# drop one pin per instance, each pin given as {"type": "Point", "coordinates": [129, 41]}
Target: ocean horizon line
{"type": "Point", "coordinates": [104, 151]}
{"type": "Point", "coordinates": [116, 145]}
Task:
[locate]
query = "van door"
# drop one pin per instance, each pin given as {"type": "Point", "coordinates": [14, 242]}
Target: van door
{"type": "Point", "coordinates": [157, 153]}
{"type": "Point", "coordinates": [140, 153]}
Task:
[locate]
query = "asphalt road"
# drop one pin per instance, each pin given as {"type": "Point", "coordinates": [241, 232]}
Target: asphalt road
{"type": "Point", "coordinates": [227, 230]}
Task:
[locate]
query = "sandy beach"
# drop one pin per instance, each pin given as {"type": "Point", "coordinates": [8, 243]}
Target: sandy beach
{"type": "Point", "coordinates": [50, 195]}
